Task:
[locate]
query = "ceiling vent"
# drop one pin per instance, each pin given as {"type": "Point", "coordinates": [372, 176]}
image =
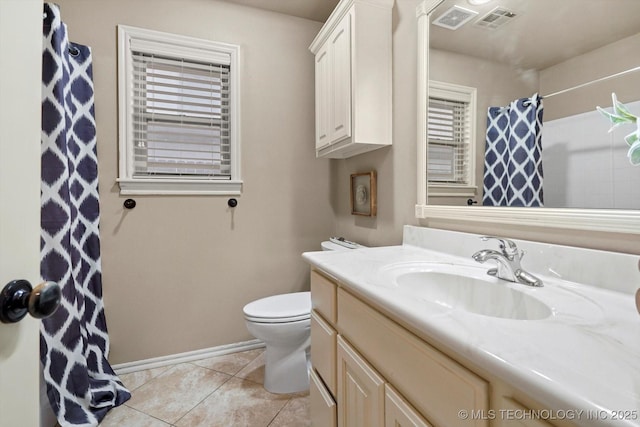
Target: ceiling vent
{"type": "Point", "coordinates": [496, 18]}
{"type": "Point", "coordinates": [454, 18]}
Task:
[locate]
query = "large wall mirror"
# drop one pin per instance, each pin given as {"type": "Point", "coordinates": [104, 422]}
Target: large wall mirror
{"type": "Point", "coordinates": [534, 71]}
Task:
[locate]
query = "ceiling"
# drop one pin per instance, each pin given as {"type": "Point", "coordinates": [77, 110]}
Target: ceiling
{"type": "Point", "coordinates": [544, 32]}
{"type": "Point", "coordinates": [315, 10]}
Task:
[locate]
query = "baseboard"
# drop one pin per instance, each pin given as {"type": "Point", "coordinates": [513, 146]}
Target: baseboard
{"type": "Point", "coordinates": [172, 359]}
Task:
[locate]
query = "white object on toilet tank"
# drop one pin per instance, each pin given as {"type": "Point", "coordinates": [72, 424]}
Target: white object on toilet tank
{"type": "Point", "coordinates": [339, 244]}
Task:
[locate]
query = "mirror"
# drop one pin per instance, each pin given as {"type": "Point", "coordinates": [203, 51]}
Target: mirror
{"type": "Point", "coordinates": [574, 53]}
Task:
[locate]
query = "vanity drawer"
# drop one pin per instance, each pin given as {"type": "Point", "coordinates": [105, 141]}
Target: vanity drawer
{"type": "Point", "coordinates": [437, 386]}
{"type": "Point", "coordinates": [323, 350]}
{"type": "Point", "coordinates": [323, 296]}
{"type": "Point", "coordinates": [322, 405]}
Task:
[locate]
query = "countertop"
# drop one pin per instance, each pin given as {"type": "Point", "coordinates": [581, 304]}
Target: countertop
{"type": "Point", "coordinates": [585, 358]}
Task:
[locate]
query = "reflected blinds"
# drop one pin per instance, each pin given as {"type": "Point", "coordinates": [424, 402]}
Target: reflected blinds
{"type": "Point", "coordinates": [448, 141]}
{"type": "Point", "coordinates": [181, 121]}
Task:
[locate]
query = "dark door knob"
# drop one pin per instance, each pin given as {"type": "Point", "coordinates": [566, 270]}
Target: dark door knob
{"type": "Point", "coordinates": [18, 298]}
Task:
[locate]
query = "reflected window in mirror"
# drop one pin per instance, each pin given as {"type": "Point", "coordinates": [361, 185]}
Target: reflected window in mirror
{"type": "Point", "coordinates": [451, 139]}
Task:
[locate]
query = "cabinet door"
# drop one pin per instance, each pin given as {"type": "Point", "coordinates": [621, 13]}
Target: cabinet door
{"type": "Point", "coordinates": [322, 406]}
{"type": "Point", "coordinates": [323, 350]}
{"type": "Point", "coordinates": [340, 85]}
{"type": "Point", "coordinates": [360, 390]}
{"type": "Point", "coordinates": [322, 97]}
{"type": "Point", "coordinates": [398, 413]}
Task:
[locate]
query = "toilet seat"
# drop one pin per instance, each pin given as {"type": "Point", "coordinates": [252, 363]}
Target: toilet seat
{"type": "Point", "coordinates": [284, 308]}
{"type": "Point", "coordinates": [277, 319]}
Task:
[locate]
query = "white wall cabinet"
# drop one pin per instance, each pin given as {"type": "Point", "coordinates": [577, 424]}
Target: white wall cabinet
{"type": "Point", "coordinates": [353, 79]}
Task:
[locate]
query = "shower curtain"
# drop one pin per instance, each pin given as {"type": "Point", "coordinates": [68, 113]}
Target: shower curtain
{"type": "Point", "coordinates": [513, 155]}
{"type": "Point", "coordinates": [74, 344]}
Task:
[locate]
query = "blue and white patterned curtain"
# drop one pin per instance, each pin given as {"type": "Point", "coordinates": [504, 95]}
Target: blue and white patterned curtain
{"type": "Point", "coordinates": [513, 155]}
{"type": "Point", "coordinates": [74, 344]}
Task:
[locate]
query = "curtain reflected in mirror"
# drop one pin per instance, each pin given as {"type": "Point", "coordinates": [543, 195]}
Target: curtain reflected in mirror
{"type": "Point", "coordinates": [513, 49]}
{"type": "Point", "coordinates": [513, 173]}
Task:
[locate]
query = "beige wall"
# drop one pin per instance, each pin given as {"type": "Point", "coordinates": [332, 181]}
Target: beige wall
{"type": "Point", "coordinates": [178, 270]}
{"type": "Point", "coordinates": [611, 59]}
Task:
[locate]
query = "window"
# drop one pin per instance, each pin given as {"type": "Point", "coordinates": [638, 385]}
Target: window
{"type": "Point", "coordinates": [178, 128]}
{"type": "Point", "coordinates": [450, 138]}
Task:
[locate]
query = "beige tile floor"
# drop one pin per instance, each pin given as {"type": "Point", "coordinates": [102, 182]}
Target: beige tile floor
{"type": "Point", "coordinates": [223, 391]}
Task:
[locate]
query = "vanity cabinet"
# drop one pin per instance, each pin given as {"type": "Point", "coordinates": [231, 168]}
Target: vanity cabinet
{"type": "Point", "coordinates": [436, 385]}
{"type": "Point", "coordinates": [368, 370]}
{"type": "Point", "coordinates": [353, 65]}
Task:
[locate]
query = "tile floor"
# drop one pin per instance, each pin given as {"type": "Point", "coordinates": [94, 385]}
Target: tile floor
{"type": "Point", "coordinates": [223, 391]}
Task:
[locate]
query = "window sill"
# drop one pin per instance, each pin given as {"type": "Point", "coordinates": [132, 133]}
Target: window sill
{"type": "Point", "coordinates": [444, 190]}
{"type": "Point", "coordinates": [183, 187]}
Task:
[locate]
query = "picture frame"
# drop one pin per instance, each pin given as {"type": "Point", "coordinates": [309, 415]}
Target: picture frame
{"type": "Point", "coordinates": [364, 194]}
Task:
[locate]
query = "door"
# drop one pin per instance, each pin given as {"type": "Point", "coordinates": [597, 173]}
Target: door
{"type": "Point", "coordinates": [20, 50]}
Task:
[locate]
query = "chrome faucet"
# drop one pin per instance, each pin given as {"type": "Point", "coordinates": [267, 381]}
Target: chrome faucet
{"type": "Point", "coordinates": [508, 261]}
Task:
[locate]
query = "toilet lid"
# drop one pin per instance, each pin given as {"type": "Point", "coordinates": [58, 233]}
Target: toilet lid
{"type": "Point", "coordinates": [280, 308]}
{"type": "Point", "coordinates": [330, 246]}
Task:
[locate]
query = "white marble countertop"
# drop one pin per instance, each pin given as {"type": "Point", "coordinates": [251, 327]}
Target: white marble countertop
{"type": "Point", "coordinates": [585, 358]}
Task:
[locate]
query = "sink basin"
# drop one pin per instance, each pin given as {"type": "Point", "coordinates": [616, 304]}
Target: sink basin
{"type": "Point", "coordinates": [466, 288]}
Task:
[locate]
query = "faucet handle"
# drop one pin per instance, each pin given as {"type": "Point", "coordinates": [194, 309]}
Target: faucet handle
{"type": "Point", "coordinates": [508, 247]}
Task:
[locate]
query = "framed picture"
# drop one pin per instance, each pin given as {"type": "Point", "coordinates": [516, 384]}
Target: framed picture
{"type": "Point", "coordinates": [363, 194]}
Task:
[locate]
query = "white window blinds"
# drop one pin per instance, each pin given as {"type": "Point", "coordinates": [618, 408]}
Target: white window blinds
{"type": "Point", "coordinates": [448, 138]}
{"type": "Point", "coordinates": [181, 120]}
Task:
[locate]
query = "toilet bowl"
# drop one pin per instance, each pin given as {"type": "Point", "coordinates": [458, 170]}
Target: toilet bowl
{"type": "Point", "coordinates": [283, 323]}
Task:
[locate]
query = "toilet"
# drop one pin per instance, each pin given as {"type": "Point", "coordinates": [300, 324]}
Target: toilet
{"type": "Point", "coordinates": [283, 323]}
